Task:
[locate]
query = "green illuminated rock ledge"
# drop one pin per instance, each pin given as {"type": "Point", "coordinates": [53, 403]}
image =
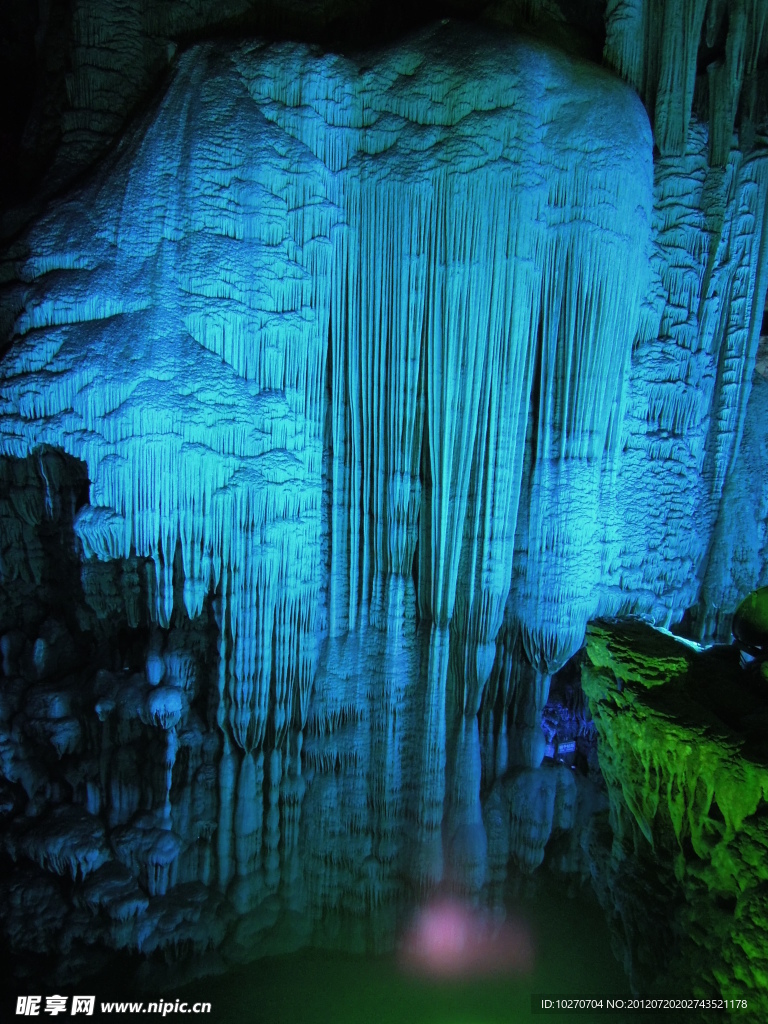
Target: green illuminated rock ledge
{"type": "Point", "coordinates": [683, 749]}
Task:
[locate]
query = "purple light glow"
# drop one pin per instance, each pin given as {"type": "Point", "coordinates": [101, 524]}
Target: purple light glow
{"type": "Point", "coordinates": [450, 939]}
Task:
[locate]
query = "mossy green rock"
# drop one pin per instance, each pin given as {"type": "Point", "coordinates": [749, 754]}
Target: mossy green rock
{"type": "Point", "coordinates": [635, 653]}
{"type": "Point", "coordinates": [682, 749]}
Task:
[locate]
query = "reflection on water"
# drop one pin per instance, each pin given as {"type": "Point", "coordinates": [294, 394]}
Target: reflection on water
{"type": "Point", "coordinates": [396, 825]}
{"type": "Point", "coordinates": [323, 987]}
{"type": "Point", "coordinates": [449, 938]}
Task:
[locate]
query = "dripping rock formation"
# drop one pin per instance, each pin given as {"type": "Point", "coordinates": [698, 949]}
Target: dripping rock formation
{"type": "Point", "coordinates": [338, 399]}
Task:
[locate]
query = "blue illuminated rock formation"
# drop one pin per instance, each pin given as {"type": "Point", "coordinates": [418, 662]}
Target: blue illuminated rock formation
{"type": "Point", "coordinates": [406, 266]}
{"type": "Point", "coordinates": [395, 369]}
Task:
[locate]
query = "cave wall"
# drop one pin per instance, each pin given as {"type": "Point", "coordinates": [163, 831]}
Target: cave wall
{"type": "Point", "coordinates": [78, 70]}
{"type": "Point", "coordinates": [456, 331]}
{"type": "Point", "coordinates": [440, 309]}
{"type": "Point", "coordinates": [302, 268]}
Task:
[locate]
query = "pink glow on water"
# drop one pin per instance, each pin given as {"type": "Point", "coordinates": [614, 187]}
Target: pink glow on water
{"type": "Point", "coordinates": [448, 938]}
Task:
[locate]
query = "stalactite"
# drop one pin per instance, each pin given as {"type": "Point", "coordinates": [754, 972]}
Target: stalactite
{"type": "Point", "coordinates": [654, 45]}
{"type": "Point", "coordinates": [405, 369]}
{"type": "Point", "coordinates": [417, 231]}
{"type": "Point", "coordinates": [427, 861]}
{"type": "Point", "coordinates": [466, 841]}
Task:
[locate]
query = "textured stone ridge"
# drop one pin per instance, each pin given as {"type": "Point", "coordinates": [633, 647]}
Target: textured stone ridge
{"type": "Point", "coordinates": [635, 654]}
{"type": "Point", "coordinates": [686, 763]}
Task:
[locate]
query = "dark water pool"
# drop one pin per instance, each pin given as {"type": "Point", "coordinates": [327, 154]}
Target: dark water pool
{"type": "Point", "coordinates": [573, 955]}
